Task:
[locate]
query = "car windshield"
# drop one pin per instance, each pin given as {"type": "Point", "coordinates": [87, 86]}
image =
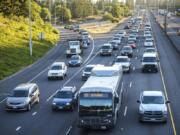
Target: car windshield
{"type": "Point", "coordinates": [20, 93]}
{"type": "Point", "coordinates": [64, 94]}
{"type": "Point", "coordinates": [130, 42]}
{"type": "Point", "coordinates": [150, 50]}
{"type": "Point", "coordinates": [74, 58]}
{"type": "Point", "coordinates": [126, 48]}
{"type": "Point", "coordinates": [148, 40]}
{"type": "Point", "coordinates": [153, 100]}
{"type": "Point", "coordinates": [149, 59]}
{"type": "Point", "coordinates": [88, 69]}
{"type": "Point", "coordinates": [115, 38]}
{"type": "Point", "coordinates": [56, 67]}
{"type": "Point", "coordinates": [122, 60]}
{"type": "Point", "coordinates": [105, 47]}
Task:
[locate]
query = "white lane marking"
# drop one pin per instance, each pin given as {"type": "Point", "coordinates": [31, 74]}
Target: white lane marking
{"type": "Point", "coordinates": [68, 131]}
{"type": "Point", "coordinates": [125, 111]}
{"type": "Point", "coordinates": [38, 75]}
{"type": "Point", "coordinates": [136, 57]}
{"type": "Point", "coordinates": [130, 85]}
{"type": "Point", "coordinates": [122, 87]}
{"type": "Point", "coordinates": [86, 62]}
{"type": "Point", "coordinates": [33, 114]}
{"type": "Point", "coordinates": [134, 68]}
{"type": "Point", "coordinates": [137, 50]}
{"type": "Point", "coordinates": [3, 100]}
{"type": "Point", "coordinates": [18, 128]}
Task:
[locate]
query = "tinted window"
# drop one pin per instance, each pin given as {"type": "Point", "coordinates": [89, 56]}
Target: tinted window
{"type": "Point", "coordinates": [149, 59]}
{"type": "Point", "coordinates": [20, 93]}
{"type": "Point", "coordinates": [57, 67]}
{"type": "Point", "coordinates": [153, 100]}
{"type": "Point", "coordinates": [64, 94]}
{"type": "Point", "coordinates": [122, 60]}
{"type": "Point", "coordinates": [88, 69]}
{"type": "Point", "coordinates": [105, 47]}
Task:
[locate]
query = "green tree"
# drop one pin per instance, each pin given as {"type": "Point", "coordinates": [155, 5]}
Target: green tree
{"type": "Point", "coordinates": [63, 13]}
{"type": "Point", "coordinates": [116, 10]}
{"type": "Point", "coordinates": [45, 14]}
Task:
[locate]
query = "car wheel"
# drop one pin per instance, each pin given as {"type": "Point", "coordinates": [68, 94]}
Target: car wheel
{"type": "Point", "coordinates": [38, 100]}
{"type": "Point", "coordinates": [29, 107]}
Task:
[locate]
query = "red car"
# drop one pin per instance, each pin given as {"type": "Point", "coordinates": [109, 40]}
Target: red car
{"type": "Point", "coordinates": [132, 44]}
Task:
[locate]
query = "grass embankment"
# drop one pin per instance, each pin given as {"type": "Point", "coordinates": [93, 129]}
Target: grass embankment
{"type": "Point", "coordinates": [100, 28]}
{"type": "Point", "coordinates": [14, 46]}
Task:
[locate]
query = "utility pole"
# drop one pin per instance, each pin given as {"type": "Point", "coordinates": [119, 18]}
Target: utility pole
{"type": "Point", "coordinates": [55, 13]}
{"type": "Point", "coordinates": [165, 18]}
{"type": "Point", "coordinates": [30, 29]}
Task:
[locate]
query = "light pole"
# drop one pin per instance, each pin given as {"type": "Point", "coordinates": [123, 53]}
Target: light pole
{"type": "Point", "coordinates": [165, 18]}
{"type": "Point", "coordinates": [30, 29]}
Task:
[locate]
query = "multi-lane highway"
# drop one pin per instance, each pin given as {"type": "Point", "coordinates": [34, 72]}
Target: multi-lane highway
{"type": "Point", "coordinates": [41, 119]}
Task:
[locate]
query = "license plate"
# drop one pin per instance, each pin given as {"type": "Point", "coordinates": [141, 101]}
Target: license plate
{"type": "Point", "coordinates": [60, 107]}
{"type": "Point", "coordinates": [14, 107]}
{"type": "Point", "coordinates": [153, 119]}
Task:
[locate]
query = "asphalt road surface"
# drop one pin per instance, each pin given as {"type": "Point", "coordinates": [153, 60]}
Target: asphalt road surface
{"type": "Point", "coordinates": [42, 121]}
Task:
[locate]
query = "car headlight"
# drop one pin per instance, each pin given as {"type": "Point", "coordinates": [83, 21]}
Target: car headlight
{"type": "Point", "coordinates": [67, 103]}
{"type": "Point", "coordinates": [141, 110]}
{"type": "Point", "coordinates": [165, 112]}
{"type": "Point", "coordinates": [54, 103]}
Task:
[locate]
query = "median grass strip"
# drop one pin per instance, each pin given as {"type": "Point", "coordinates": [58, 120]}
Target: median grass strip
{"type": "Point", "coordinates": [14, 43]}
{"type": "Point", "coordinates": [101, 27]}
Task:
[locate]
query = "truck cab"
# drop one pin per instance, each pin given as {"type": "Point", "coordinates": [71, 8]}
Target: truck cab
{"type": "Point", "coordinates": [74, 48]}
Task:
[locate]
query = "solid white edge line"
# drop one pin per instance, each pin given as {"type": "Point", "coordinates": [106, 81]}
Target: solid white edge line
{"type": "Point", "coordinates": [165, 90]}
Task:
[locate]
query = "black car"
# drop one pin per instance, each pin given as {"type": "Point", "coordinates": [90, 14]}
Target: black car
{"type": "Point", "coordinates": [87, 72]}
{"type": "Point", "coordinates": [114, 45]}
{"type": "Point", "coordinates": [126, 27]}
{"type": "Point", "coordinates": [127, 51]}
{"type": "Point", "coordinates": [65, 99]}
{"type": "Point", "coordinates": [75, 60]}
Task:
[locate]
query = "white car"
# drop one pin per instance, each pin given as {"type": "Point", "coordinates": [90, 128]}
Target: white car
{"type": "Point", "coordinates": [123, 61]}
{"type": "Point", "coordinates": [132, 38]}
{"type": "Point", "coordinates": [151, 50]}
{"type": "Point", "coordinates": [57, 70]}
{"type": "Point", "coordinates": [152, 106]}
{"type": "Point", "coordinates": [148, 42]}
{"type": "Point", "coordinates": [149, 62]}
{"type": "Point", "coordinates": [117, 40]}
{"type": "Point", "coordinates": [122, 33]}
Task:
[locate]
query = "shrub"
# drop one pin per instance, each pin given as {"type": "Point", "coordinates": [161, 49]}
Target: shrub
{"type": "Point", "coordinates": [108, 16]}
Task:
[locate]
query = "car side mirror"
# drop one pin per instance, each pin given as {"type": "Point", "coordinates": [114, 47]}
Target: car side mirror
{"type": "Point", "coordinates": [167, 102]}
{"type": "Point", "coordinates": [138, 101]}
